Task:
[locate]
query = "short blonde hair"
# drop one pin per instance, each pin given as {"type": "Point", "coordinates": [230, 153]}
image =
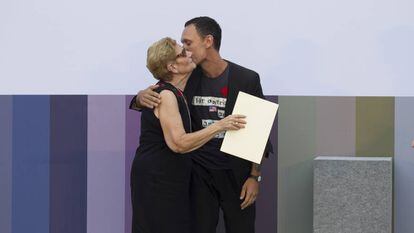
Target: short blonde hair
{"type": "Point", "coordinates": [159, 55]}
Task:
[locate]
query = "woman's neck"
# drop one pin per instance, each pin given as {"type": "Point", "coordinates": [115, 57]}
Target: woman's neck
{"type": "Point", "coordinates": [179, 81]}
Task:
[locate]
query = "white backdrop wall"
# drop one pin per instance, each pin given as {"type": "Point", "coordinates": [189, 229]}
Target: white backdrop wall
{"type": "Point", "coordinates": [299, 47]}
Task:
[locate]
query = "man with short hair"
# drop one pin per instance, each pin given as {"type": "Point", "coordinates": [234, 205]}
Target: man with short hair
{"type": "Point", "coordinates": [219, 181]}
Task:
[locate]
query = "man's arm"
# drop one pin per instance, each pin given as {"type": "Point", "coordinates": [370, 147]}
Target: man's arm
{"type": "Point", "coordinates": [255, 171]}
{"type": "Point", "coordinates": [250, 189]}
{"type": "Point", "coordinates": [258, 91]}
{"type": "Point", "coordinates": [146, 98]}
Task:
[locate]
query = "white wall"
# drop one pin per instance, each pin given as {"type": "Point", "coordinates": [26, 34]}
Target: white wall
{"type": "Point", "coordinates": [299, 47]}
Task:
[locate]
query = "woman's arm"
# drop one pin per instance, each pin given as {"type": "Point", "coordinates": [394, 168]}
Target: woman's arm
{"type": "Point", "coordinates": [172, 126]}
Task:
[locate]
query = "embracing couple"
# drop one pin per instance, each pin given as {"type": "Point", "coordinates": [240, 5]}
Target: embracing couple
{"type": "Point", "coordinates": [180, 179]}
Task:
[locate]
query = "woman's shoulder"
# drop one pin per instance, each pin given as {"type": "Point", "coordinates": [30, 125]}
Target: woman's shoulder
{"type": "Point", "coordinates": [164, 86]}
{"type": "Point", "coordinates": [169, 87]}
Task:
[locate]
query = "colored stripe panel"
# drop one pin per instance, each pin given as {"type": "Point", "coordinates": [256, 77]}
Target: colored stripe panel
{"type": "Point", "coordinates": [68, 168]}
{"type": "Point", "coordinates": [106, 164]}
{"type": "Point", "coordinates": [6, 121]}
{"type": "Point", "coordinates": [296, 151]}
{"type": "Point", "coordinates": [335, 126]}
{"type": "Point", "coordinates": [132, 132]}
{"type": "Point", "coordinates": [375, 126]}
{"type": "Point", "coordinates": [404, 165]}
{"type": "Point", "coordinates": [30, 204]}
{"type": "Point", "coordinates": [266, 206]}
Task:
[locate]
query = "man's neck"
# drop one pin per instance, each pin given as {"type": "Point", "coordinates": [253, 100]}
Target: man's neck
{"type": "Point", "coordinates": [214, 66]}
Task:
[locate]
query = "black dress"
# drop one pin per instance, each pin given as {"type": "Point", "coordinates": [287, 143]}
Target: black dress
{"type": "Point", "coordinates": [160, 178]}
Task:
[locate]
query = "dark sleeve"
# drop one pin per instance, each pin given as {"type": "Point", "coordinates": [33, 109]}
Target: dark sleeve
{"type": "Point", "coordinates": [259, 93]}
{"type": "Point", "coordinates": [133, 104]}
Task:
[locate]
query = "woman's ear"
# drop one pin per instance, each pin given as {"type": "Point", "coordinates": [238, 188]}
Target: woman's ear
{"type": "Point", "coordinates": [172, 68]}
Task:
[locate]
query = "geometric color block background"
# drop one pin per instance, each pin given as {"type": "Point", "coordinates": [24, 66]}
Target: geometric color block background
{"type": "Point", "coordinates": [65, 160]}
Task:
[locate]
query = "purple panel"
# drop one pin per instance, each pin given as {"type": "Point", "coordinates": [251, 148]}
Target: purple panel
{"type": "Point", "coordinates": [266, 206]}
{"type": "Point", "coordinates": [106, 164]}
{"type": "Point", "coordinates": [68, 168]}
{"type": "Point", "coordinates": [6, 122]}
{"type": "Point", "coordinates": [132, 132]}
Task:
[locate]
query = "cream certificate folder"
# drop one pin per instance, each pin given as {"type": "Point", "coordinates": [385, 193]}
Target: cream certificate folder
{"type": "Point", "coordinates": [249, 143]}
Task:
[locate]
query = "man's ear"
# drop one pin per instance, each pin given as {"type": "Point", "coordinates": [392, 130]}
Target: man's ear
{"type": "Point", "coordinates": [209, 41]}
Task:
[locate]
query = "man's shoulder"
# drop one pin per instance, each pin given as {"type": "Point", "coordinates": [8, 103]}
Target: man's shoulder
{"type": "Point", "coordinates": [239, 70]}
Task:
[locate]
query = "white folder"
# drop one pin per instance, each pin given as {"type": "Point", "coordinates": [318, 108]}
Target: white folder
{"type": "Point", "coordinates": [249, 143]}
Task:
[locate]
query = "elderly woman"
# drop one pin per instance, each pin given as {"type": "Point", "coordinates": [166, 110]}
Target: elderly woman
{"type": "Point", "coordinates": [160, 174]}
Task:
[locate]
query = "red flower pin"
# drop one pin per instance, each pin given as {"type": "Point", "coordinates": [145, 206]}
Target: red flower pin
{"type": "Point", "coordinates": [224, 91]}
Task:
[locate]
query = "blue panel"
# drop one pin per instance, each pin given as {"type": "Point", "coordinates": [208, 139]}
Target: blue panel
{"type": "Point", "coordinates": [30, 187]}
{"type": "Point", "coordinates": [404, 165]}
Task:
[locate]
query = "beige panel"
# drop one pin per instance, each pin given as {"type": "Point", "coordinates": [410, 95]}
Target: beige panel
{"type": "Point", "coordinates": [335, 126]}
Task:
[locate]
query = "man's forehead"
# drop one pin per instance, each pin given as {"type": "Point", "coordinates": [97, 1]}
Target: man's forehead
{"type": "Point", "coordinates": [189, 32]}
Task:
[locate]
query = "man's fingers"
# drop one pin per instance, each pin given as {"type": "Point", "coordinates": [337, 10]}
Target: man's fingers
{"type": "Point", "coordinates": [152, 87]}
{"type": "Point", "coordinates": [150, 96]}
{"type": "Point", "coordinates": [238, 126]}
{"type": "Point", "coordinates": [253, 200]}
{"type": "Point", "coordinates": [241, 121]}
{"type": "Point", "coordinates": [243, 193]}
{"type": "Point", "coordinates": [236, 123]}
{"type": "Point", "coordinates": [254, 197]}
{"type": "Point", "coordinates": [250, 199]}
{"type": "Point", "coordinates": [152, 101]}
{"type": "Point", "coordinates": [244, 204]}
{"type": "Point", "coordinates": [155, 99]}
{"type": "Point", "coordinates": [246, 201]}
{"type": "Point", "coordinates": [239, 116]}
{"type": "Point", "coordinates": [154, 94]}
{"type": "Point", "coordinates": [147, 104]}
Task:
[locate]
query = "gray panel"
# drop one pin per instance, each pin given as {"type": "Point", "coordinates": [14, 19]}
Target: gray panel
{"type": "Point", "coordinates": [404, 165]}
{"type": "Point", "coordinates": [352, 195]}
{"type": "Point", "coordinates": [6, 119]}
{"type": "Point", "coordinates": [296, 150]}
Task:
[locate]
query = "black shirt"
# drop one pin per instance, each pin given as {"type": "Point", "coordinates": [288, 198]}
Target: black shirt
{"type": "Point", "coordinates": [209, 102]}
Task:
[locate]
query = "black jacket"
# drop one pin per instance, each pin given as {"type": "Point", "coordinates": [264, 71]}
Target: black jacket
{"type": "Point", "coordinates": [240, 79]}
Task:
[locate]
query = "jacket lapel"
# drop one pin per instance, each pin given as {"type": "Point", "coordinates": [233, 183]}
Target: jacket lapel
{"type": "Point", "coordinates": [233, 87]}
